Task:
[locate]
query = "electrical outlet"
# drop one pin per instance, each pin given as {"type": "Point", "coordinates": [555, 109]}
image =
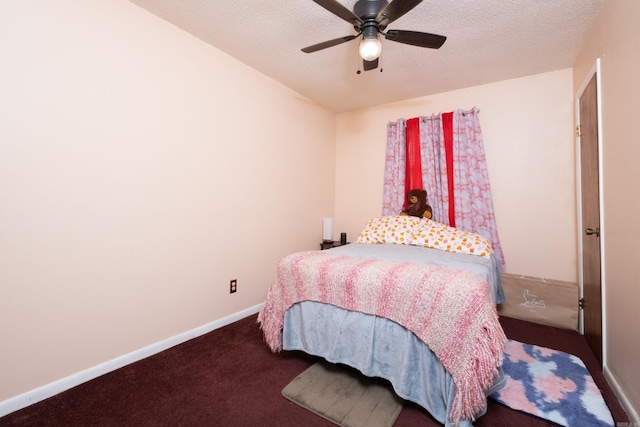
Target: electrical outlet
{"type": "Point", "coordinates": [233, 286]}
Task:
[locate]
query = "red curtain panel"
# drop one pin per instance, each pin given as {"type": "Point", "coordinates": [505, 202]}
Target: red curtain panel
{"type": "Point", "coordinates": [413, 176]}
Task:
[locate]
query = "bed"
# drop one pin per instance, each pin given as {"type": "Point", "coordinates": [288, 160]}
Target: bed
{"type": "Point", "coordinates": [412, 301]}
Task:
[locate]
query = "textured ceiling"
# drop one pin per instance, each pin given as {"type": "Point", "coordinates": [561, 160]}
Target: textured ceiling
{"type": "Point", "coordinates": [487, 41]}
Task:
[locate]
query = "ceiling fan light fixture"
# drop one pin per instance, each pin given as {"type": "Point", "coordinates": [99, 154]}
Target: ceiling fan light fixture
{"type": "Point", "coordinates": [370, 45]}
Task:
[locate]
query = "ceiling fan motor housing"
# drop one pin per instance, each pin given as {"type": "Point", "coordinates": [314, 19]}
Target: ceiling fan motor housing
{"type": "Point", "coordinates": [368, 9]}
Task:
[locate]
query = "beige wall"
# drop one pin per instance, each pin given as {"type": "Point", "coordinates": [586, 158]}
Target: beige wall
{"type": "Point", "coordinates": [614, 39]}
{"type": "Point", "coordinates": [528, 138]}
{"type": "Point", "coordinates": [140, 171]}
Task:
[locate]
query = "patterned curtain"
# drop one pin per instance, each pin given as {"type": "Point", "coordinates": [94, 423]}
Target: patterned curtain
{"type": "Point", "coordinates": [454, 175]}
{"type": "Point", "coordinates": [394, 172]}
{"type": "Point", "coordinates": [434, 163]}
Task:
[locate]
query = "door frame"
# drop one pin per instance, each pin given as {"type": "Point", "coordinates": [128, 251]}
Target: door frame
{"type": "Point", "coordinates": [595, 70]}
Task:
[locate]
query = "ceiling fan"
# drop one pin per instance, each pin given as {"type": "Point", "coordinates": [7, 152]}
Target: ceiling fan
{"type": "Point", "coordinates": [370, 18]}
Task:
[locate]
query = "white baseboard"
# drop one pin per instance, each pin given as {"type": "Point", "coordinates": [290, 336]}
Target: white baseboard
{"type": "Point", "coordinates": [36, 395]}
{"type": "Point", "coordinates": [632, 413]}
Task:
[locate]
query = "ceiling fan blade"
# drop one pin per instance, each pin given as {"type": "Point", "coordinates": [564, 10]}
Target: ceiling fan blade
{"type": "Point", "coordinates": [340, 11]}
{"type": "Point", "coordinates": [370, 65]}
{"type": "Point", "coordinates": [395, 10]}
{"type": "Point", "coordinates": [328, 43]}
{"type": "Point", "coordinates": [415, 38]}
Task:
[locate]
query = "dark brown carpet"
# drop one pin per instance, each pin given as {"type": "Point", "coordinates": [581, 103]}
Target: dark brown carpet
{"type": "Point", "coordinates": [229, 377]}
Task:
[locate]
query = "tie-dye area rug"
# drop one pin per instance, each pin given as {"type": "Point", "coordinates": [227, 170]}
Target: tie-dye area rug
{"type": "Point", "coordinates": [552, 385]}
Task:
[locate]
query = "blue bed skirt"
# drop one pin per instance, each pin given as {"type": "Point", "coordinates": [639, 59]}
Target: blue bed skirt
{"type": "Point", "coordinates": [377, 347]}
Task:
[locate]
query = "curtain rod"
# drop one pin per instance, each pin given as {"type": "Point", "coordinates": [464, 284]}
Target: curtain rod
{"type": "Point", "coordinates": [434, 115]}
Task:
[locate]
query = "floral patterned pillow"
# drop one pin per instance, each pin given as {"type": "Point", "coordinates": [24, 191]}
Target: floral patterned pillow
{"type": "Point", "coordinates": [432, 234]}
{"type": "Point", "coordinates": [389, 229]}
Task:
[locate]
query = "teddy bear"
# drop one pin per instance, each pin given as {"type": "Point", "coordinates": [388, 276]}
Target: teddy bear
{"type": "Point", "coordinates": [418, 206]}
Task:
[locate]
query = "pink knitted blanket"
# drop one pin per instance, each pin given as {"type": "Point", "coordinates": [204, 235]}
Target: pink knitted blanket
{"type": "Point", "coordinates": [450, 310]}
